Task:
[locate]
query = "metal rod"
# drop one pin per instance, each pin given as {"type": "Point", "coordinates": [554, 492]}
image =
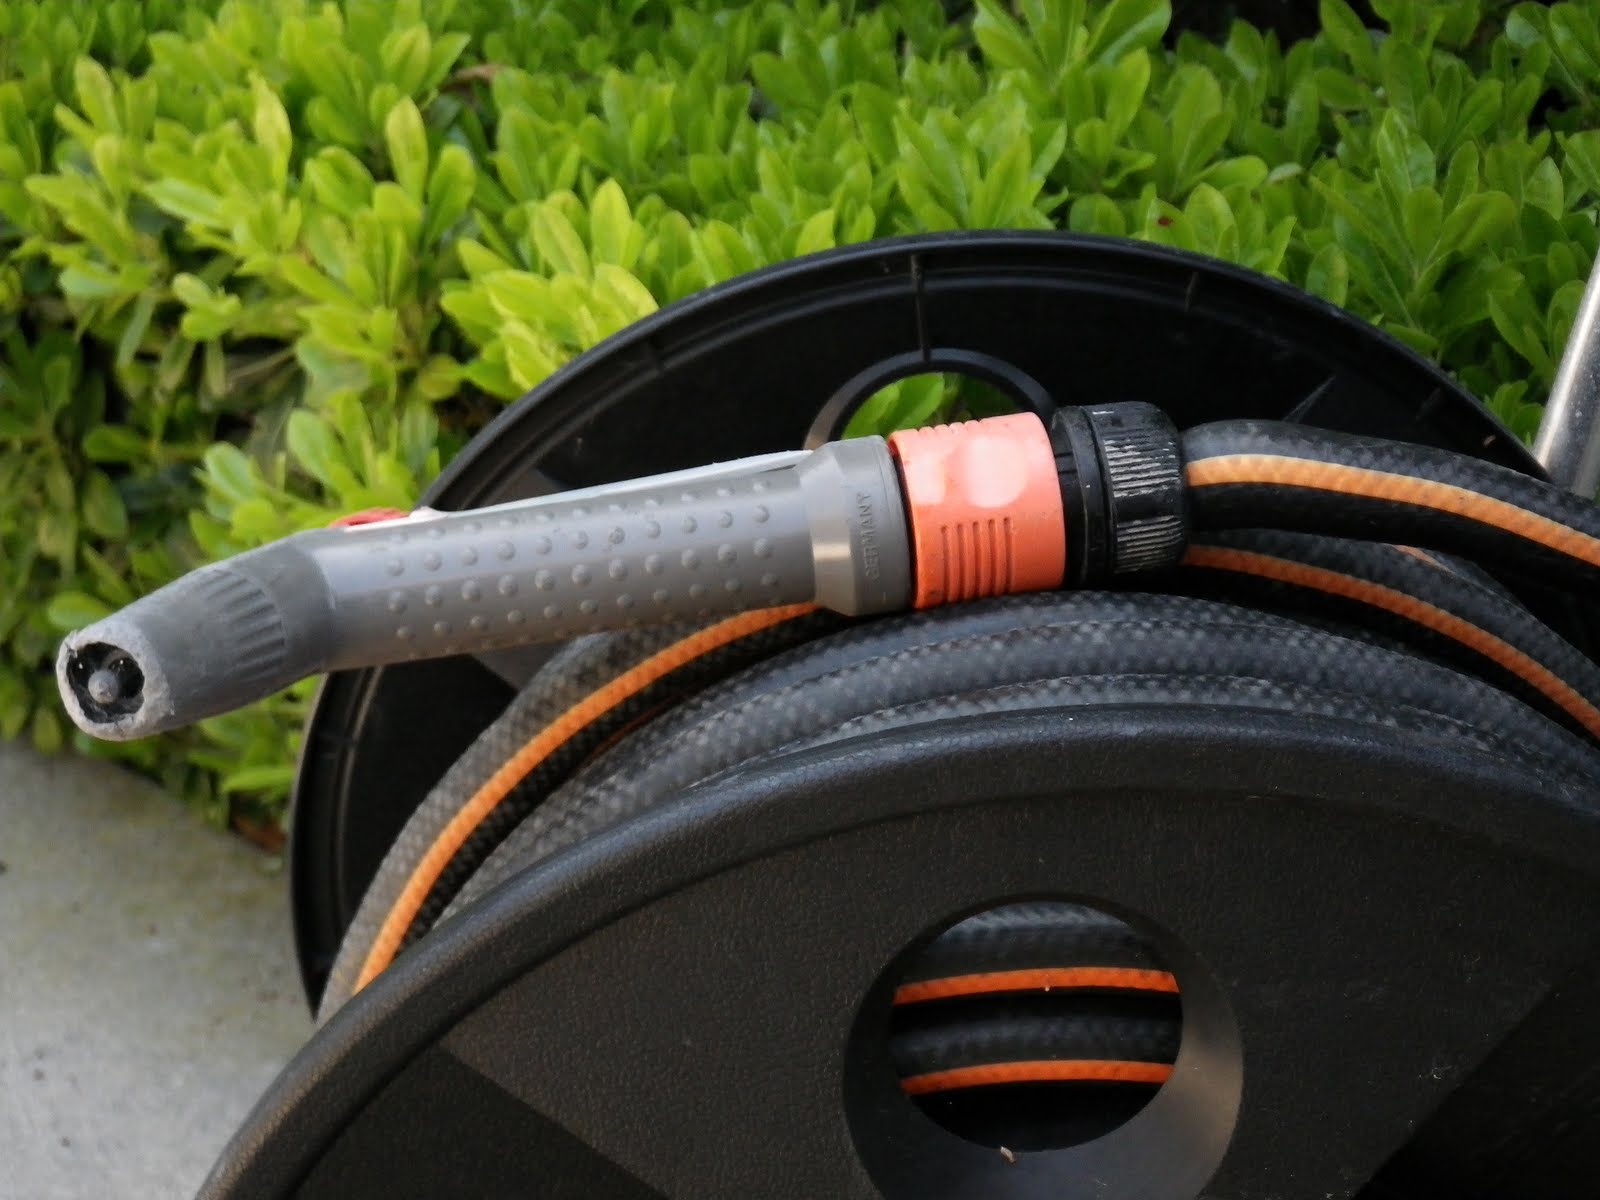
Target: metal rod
{"type": "Point", "coordinates": [1568, 442]}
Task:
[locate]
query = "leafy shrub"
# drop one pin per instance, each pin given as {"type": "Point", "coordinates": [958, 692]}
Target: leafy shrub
{"type": "Point", "coordinates": [266, 261]}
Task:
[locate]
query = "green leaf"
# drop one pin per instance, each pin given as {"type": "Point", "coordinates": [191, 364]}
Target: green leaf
{"type": "Point", "coordinates": [1522, 328]}
{"type": "Point", "coordinates": [1096, 214]}
{"type": "Point", "coordinates": [263, 777]}
{"type": "Point", "coordinates": [338, 179]}
{"type": "Point", "coordinates": [1198, 123]}
{"type": "Point", "coordinates": [530, 358]}
{"type": "Point", "coordinates": [1003, 40]}
{"type": "Point", "coordinates": [406, 55]}
{"type": "Point", "coordinates": [1341, 92]}
{"type": "Point", "coordinates": [133, 333]}
{"type": "Point", "coordinates": [1422, 215]}
{"type": "Point", "coordinates": [558, 242]}
{"type": "Point", "coordinates": [816, 234]}
{"type": "Point", "coordinates": [1126, 25]}
{"type": "Point", "coordinates": [1581, 157]}
{"type": "Point", "coordinates": [315, 448]}
{"type": "Point", "coordinates": [611, 227]}
{"type": "Point", "coordinates": [271, 126]}
{"type": "Point", "coordinates": [624, 292]}
{"type": "Point", "coordinates": [102, 507]}
{"type": "Point", "coordinates": [1126, 85]}
{"type": "Point", "coordinates": [68, 611]}
{"type": "Point", "coordinates": [229, 472]}
{"type": "Point", "coordinates": [84, 282]}
{"type": "Point", "coordinates": [1366, 213]}
{"type": "Point", "coordinates": [1404, 159]}
{"type": "Point", "coordinates": [450, 191]}
{"type": "Point", "coordinates": [407, 143]}
{"type": "Point", "coordinates": [1211, 218]}
{"type": "Point", "coordinates": [1477, 221]}
{"type": "Point", "coordinates": [96, 94]}
{"type": "Point", "coordinates": [1344, 29]}
{"type": "Point", "coordinates": [61, 489]}
{"type": "Point", "coordinates": [114, 443]}
{"type": "Point", "coordinates": [187, 202]}
{"type": "Point", "coordinates": [111, 584]}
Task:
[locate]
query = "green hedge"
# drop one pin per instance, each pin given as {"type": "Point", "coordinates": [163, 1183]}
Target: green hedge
{"type": "Point", "coordinates": [267, 261]}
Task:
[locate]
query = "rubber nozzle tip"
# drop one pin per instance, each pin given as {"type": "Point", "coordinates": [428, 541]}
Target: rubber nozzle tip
{"type": "Point", "coordinates": [103, 686]}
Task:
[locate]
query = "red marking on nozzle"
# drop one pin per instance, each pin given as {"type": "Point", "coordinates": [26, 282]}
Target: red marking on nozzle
{"type": "Point", "coordinates": [368, 516]}
{"type": "Point", "coordinates": [984, 505]}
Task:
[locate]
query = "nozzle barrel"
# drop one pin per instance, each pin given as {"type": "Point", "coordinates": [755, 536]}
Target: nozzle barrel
{"type": "Point", "coordinates": [825, 527]}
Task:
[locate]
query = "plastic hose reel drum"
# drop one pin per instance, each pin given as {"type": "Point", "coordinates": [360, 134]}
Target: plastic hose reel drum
{"type": "Point", "coordinates": [745, 369]}
{"type": "Point", "coordinates": [659, 1061]}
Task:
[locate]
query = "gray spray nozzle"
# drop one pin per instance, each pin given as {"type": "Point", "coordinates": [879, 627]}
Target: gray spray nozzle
{"type": "Point", "coordinates": [216, 639]}
{"type": "Point", "coordinates": [826, 527]}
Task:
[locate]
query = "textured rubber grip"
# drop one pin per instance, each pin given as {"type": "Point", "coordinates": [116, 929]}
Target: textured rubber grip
{"type": "Point", "coordinates": [488, 578]}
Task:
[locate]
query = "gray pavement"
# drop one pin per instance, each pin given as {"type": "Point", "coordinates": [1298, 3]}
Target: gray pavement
{"type": "Point", "coordinates": [147, 984]}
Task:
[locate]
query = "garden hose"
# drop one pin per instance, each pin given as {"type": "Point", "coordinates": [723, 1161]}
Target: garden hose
{"type": "Point", "coordinates": [929, 517]}
{"type": "Point", "coordinates": [1424, 605]}
{"type": "Point", "coordinates": [1427, 603]}
{"type": "Point", "coordinates": [1262, 474]}
{"type": "Point", "coordinates": [712, 614]}
{"type": "Point", "coordinates": [1059, 1017]}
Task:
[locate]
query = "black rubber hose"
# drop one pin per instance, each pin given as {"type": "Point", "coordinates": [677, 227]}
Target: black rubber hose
{"type": "Point", "coordinates": [1023, 937]}
{"type": "Point", "coordinates": [1262, 474]}
{"type": "Point", "coordinates": [1058, 1027]}
{"type": "Point", "coordinates": [1034, 1069]}
{"type": "Point", "coordinates": [577, 672]}
{"type": "Point", "coordinates": [1430, 604]}
{"type": "Point", "coordinates": [1038, 1065]}
{"type": "Point", "coordinates": [1056, 651]}
{"type": "Point", "coordinates": [1034, 1025]}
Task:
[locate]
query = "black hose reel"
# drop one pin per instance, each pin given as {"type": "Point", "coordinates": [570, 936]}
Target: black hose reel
{"type": "Point", "coordinates": [1163, 892]}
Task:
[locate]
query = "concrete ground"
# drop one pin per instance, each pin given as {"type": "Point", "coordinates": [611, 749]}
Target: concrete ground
{"type": "Point", "coordinates": [148, 991]}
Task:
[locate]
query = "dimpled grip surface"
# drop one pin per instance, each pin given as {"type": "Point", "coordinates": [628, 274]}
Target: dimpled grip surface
{"type": "Point", "coordinates": [985, 509]}
{"type": "Point", "coordinates": [480, 580]}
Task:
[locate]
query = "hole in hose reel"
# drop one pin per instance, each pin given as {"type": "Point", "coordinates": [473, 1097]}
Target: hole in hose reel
{"type": "Point", "coordinates": [1034, 1026]}
{"type": "Point", "coordinates": [977, 385]}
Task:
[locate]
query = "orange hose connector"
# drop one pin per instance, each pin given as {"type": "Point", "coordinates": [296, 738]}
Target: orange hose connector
{"type": "Point", "coordinates": [984, 504]}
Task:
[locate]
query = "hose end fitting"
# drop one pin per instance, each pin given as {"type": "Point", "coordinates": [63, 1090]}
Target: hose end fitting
{"type": "Point", "coordinates": [1121, 476]}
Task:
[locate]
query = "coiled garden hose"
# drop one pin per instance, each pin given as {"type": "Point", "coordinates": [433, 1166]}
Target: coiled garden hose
{"type": "Point", "coordinates": [1057, 1016]}
{"type": "Point", "coordinates": [1262, 474]}
{"type": "Point", "coordinates": [721, 612]}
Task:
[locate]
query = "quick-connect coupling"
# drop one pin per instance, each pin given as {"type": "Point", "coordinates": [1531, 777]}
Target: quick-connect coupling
{"type": "Point", "coordinates": [1004, 505]}
{"type": "Point", "coordinates": [985, 508]}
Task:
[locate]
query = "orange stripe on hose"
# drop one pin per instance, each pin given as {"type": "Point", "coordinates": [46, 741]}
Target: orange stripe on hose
{"type": "Point", "coordinates": [1497, 650]}
{"type": "Point", "coordinates": [1080, 1070]}
{"type": "Point", "coordinates": [1281, 470]}
{"type": "Point", "coordinates": [1036, 979]}
{"type": "Point", "coordinates": [534, 751]}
